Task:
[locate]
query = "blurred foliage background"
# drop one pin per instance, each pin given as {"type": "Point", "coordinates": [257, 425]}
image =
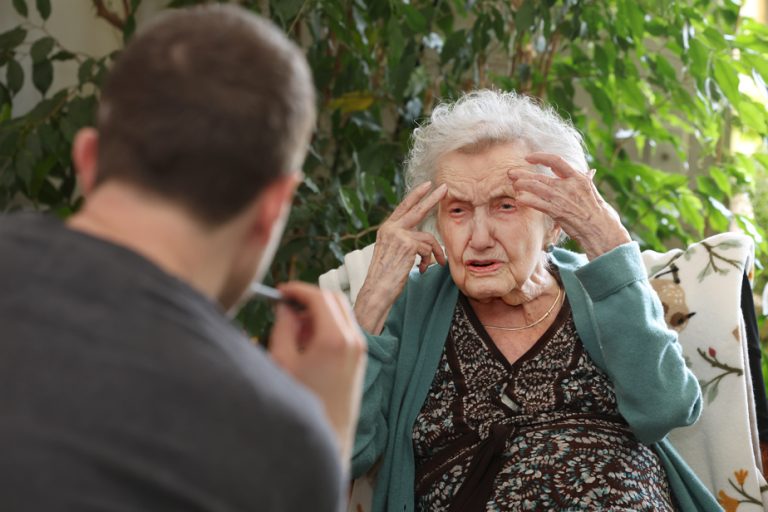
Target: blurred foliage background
{"type": "Point", "coordinates": [669, 94]}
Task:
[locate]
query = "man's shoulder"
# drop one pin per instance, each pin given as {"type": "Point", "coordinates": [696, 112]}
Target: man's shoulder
{"type": "Point", "coordinates": [28, 227]}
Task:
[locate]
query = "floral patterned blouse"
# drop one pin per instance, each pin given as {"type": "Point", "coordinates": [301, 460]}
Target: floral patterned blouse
{"type": "Point", "coordinates": [542, 433]}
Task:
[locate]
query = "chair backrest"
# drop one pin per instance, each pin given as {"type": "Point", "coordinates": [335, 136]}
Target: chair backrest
{"type": "Point", "coordinates": [700, 289]}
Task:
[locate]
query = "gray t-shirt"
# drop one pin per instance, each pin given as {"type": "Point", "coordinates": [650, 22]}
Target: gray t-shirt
{"type": "Point", "coordinates": [123, 389]}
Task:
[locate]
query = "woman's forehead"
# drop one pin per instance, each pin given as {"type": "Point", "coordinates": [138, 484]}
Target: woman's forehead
{"type": "Point", "coordinates": [490, 161]}
{"type": "Point", "coordinates": [495, 170]}
{"type": "Point", "coordinates": [477, 188]}
{"type": "Point", "coordinates": [479, 176]}
{"type": "Point", "coordinates": [483, 180]}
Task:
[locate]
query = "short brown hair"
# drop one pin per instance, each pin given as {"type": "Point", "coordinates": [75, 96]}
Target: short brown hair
{"type": "Point", "coordinates": [205, 107]}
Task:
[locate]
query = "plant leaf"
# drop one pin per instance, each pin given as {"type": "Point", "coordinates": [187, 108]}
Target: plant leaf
{"type": "Point", "coordinates": [453, 44]}
{"type": "Point", "coordinates": [354, 101]}
{"type": "Point", "coordinates": [692, 211]}
{"type": "Point", "coordinates": [727, 79]}
{"type": "Point", "coordinates": [42, 76]}
{"type": "Point", "coordinates": [63, 55]}
{"type": "Point", "coordinates": [524, 17]}
{"type": "Point", "coordinates": [10, 39]}
{"type": "Point", "coordinates": [21, 7]}
{"type": "Point", "coordinates": [287, 9]}
{"type": "Point", "coordinates": [414, 19]}
{"type": "Point", "coordinates": [752, 115]}
{"type": "Point", "coordinates": [41, 48]}
{"type": "Point", "coordinates": [44, 8]}
{"type": "Point", "coordinates": [721, 179]}
{"type": "Point", "coordinates": [85, 70]}
{"type": "Point", "coordinates": [14, 76]}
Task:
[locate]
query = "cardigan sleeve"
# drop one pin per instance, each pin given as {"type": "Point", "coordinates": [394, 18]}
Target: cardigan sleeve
{"type": "Point", "coordinates": [655, 390]}
{"type": "Point", "coordinates": [372, 428]}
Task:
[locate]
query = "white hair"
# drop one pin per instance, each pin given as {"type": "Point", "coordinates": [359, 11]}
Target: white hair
{"type": "Point", "coordinates": [488, 116]}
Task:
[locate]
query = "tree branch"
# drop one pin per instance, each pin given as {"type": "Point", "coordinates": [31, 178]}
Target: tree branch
{"type": "Point", "coordinates": [547, 63]}
{"type": "Point", "coordinates": [103, 12]}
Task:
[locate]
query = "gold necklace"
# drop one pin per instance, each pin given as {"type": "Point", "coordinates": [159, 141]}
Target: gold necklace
{"type": "Point", "coordinates": [537, 322]}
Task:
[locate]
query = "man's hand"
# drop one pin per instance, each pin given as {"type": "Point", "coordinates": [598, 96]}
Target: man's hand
{"type": "Point", "coordinates": [324, 349]}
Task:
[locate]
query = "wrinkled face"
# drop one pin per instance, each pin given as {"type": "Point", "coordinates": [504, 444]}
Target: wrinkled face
{"type": "Point", "coordinates": [493, 246]}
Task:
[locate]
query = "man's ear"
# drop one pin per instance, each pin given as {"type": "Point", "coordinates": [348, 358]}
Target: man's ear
{"type": "Point", "coordinates": [85, 150]}
{"type": "Point", "coordinates": [273, 205]}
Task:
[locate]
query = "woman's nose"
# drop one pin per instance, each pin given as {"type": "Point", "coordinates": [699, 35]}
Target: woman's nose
{"type": "Point", "coordinates": [481, 236]}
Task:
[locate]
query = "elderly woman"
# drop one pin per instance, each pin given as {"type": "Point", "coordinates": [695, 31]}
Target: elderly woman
{"type": "Point", "coordinates": [516, 375]}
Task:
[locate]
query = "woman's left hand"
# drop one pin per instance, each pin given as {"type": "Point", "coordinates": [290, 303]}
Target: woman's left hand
{"type": "Point", "coordinates": [572, 200]}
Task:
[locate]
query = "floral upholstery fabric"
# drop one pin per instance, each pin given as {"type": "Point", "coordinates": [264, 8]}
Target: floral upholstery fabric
{"type": "Point", "coordinates": [700, 288]}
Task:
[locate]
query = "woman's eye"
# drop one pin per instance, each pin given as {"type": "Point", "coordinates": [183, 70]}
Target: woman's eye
{"type": "Point", "coordinates": [456, 210]}
{"type": "Point", "coordinates": [507, 205]}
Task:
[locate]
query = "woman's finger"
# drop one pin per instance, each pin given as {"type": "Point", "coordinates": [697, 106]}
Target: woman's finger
{"type": "Point", "coordinates": [437, 249]}
{"type": "Point", "coordinates": [539, 186]}
{"type": "Point", "coordinates": [517, 175]}
{"type": "Point", "coordinates": [425, 251]}
{"type": "Point", "coordinates": [419, 212]}
{"type": "Point", "coordinates": [411, 200]}
{"type": "Point", "coordinates": [532, 200]}
{"type": "Point", "coordinates": [426, 260]}
{"type": "Point", "coordinates": [555, 162]}
{"type": "Point", "coordinates": [549, 187]}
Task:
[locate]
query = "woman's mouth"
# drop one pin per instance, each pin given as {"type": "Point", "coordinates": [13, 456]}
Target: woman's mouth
{"type": "Point", "coordinates": [482, 266]}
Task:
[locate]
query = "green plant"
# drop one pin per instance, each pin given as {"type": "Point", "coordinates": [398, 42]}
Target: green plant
{"type": "Point", "coordinates": [638, 78]}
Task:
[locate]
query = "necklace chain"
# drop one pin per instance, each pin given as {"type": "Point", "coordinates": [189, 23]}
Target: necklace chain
{"type": "Point", "coordinates": [537, 322]}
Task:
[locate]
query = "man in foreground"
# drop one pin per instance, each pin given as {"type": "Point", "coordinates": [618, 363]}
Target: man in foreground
{"type": "Point", "coordinates": [123, 386]}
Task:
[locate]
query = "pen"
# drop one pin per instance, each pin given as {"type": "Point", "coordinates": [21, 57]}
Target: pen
{"type": "Point", "coordinates": [267, 292]}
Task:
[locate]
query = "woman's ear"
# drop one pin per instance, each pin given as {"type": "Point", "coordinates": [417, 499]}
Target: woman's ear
{"type": "Point", "coordinates": [554, 235]}
{"type": "Point", "coordinates": [85, 150]}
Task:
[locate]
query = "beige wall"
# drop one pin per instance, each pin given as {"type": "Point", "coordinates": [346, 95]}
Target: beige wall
{"type": "Point", "coordinates": [74, 24]}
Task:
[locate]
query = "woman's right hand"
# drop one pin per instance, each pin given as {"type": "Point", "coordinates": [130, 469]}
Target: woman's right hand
{"type": "Point", "coordinates": [398, 242]}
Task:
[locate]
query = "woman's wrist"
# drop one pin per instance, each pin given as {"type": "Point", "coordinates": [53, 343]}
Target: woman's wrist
{"type": "Point", "coordinates": [371, 308]}
{"type": "Point", "coordinates": [602, 241]}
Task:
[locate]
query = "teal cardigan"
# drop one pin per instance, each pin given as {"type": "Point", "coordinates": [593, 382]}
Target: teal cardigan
{"type": "Point", "coordinates": [621, 323]}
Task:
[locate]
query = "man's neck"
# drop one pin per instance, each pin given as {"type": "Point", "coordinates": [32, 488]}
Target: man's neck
{"type": "Point", "coordinates": [160, 231]}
